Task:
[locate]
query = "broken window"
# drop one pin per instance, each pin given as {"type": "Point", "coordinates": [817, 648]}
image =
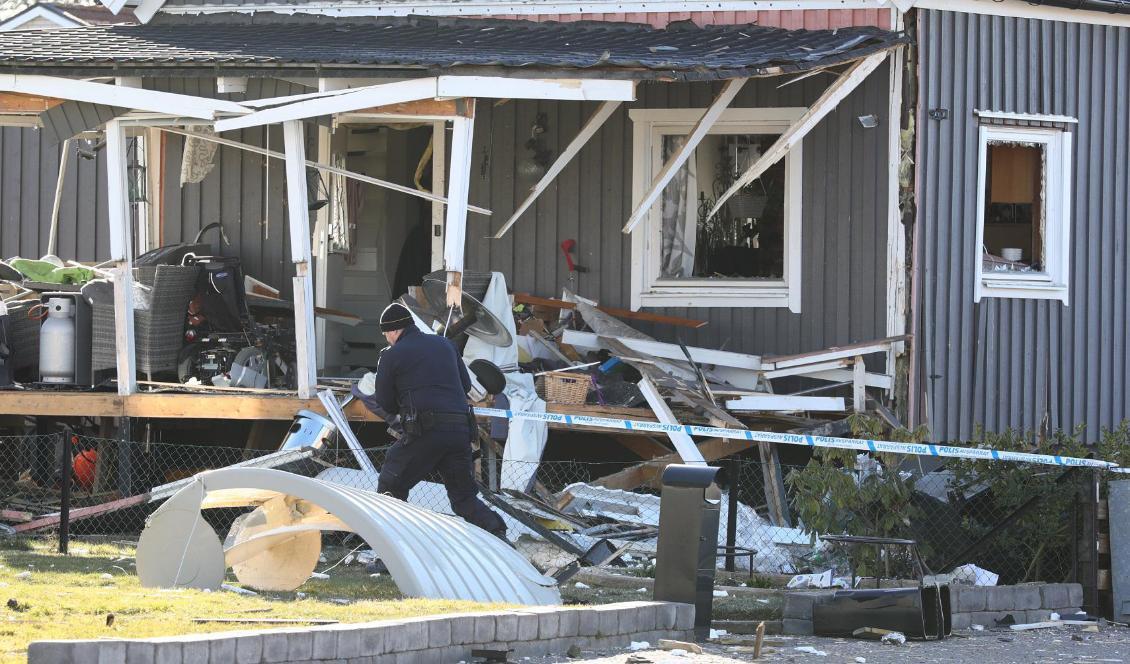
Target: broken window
{"type": "Point", "coordinates": [1023, 215]}
{"type": "Point", "coordinates": [746, 255]}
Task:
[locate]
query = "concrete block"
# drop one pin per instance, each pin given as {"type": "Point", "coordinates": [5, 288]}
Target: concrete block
{"type": "Point", "coordinates": [1053, 595]}
{"type": "Point", "coordinates": [989, 618]}
{"type": "Point", "coordinates": [527, 626]}
{"type": "Point", "coordinates": [608, 621]}
{"type": "Point", "coordinates": [1000, 598]}
{"type": "Point", "coordinates": [463, 629]}
{"type": "Point", "coordinates": [1026, 597]}
{"type": "Point", "coordinates": [483, 629]}
{"type": "Point", "coordinates": [196, 650]}
{"type": "Point", "coordinates": [50, 652]}
{"type": "Point", "coordinates": [506, 627]}
{"type": "Point", "coordinates": [275, 647]}
{"type": "Point", "coordinates": [665, 616]}
{"type": "Point", "coordinates": [439, 633]}
{"type": "Point", "coordinates": [458, 653]}
{"type": "Point", "coordinates": [799, 606]}
{"type": "Point", "coordinates": [967, 600]}
{"type": "Point", "coordinates": [961, 620]}
{"type": "Point", "coordinates": [684, 616]}
{"type": "Point", "coordinates": [1037, 615]}
{"type": "Point", "coordinates": [646, 617]}
{"type": "Point", "coordinates": [1074, 594]}
{"type": "Point", "coordinates": [221, 650]}
{"type": "Point", "coordinates": [348, 642]}
{"type": "Point", "coordinates": [568, 623]}
{"type": "Point", "coordinates": [373, 640]}
{"type": "Point", "coordinates": [548, 625]}
{"type": "Point", "coordinates": [299, 646]}
{"type": "Point", "coordinates": [114, 652]}
{"type": "Point", "coordinates": [588, 622]}
{"type": "Point", "coordinates": [533, 648]}
{"type": "Point", "coordinates": [248, 649]}
{"type": "Point", "coordinates": [85, 652]}
{"type": "Point", "coordinates": [628, 620]}
{"type": "Point", "coordinates": [168, 652]}
{"type": "Point", "coordinates": [402, 636]}
{"type": "Point", "coordinates": [796, 627]}
{"type": "Point", "coordinates": [325, 644]}
{"type": "Point", "coordinates": [138, 652]}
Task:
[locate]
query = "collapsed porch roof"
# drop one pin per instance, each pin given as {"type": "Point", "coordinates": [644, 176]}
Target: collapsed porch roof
{"type": "Point", "coordinates": [680, 52]}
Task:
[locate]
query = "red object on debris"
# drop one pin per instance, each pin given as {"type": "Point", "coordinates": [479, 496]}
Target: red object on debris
{"type": "Point", "coordinates": [85, 463]}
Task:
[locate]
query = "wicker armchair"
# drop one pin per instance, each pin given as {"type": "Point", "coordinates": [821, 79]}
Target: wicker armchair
{"type": "Point", "coordinates": [23, 338]}
{"type": "Point", "coordinates": [158, 330]}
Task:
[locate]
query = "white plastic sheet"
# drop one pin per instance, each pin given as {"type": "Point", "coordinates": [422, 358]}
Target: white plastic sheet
{"type": "Point", "coordinates": [526, 440]}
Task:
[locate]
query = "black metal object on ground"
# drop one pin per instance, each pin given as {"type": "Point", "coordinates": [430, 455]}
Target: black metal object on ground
{"type": "Point", "coordinates": [920, 567]}
{"type": "Point", "coordinates": [922, 613]}
{"type": "Point", "coordinates": [688, 540]}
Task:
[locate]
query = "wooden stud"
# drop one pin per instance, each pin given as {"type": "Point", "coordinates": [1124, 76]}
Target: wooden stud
{"type": "Point", "coordinates": [458, 190]}
{"type": "Point", "coordinates": [298, 223]}
{"type": "Point", "coordinates": [15, 102]}
{"type": "Point", "coordinates": [859, 385]}
{"type": "Point", "coordinates": [121, 252]}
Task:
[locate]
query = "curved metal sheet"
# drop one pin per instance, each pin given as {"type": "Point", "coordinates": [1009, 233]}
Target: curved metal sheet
{"type": "Point", "coordinates": [428, 554]}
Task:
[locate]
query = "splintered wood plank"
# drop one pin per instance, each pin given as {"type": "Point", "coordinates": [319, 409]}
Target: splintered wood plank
{"type": "Point", "coordinates": [14, 102]}
{"type": "Point", "coordinates": [648, 473]}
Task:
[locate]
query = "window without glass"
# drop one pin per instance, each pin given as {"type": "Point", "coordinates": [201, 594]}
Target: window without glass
{"type": "Point", "coordinates": [1023, 219]}
{"type": "Point", "coordinates": [746, 255]}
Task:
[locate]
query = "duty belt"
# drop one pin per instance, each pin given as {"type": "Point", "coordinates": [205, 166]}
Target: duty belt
{"type": "Point", "coordinates": [430, 419]}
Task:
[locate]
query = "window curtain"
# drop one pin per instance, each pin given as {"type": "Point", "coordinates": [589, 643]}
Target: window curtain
{"type": "Point", "coordinates": [680, 215]}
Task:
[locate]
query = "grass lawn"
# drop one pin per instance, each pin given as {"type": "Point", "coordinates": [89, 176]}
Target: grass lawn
{"type": "Point", "coordinates": [70, 597]}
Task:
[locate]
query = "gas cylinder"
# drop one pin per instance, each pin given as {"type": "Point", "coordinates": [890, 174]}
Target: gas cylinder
{"type": "Point", "coordinates": [57, 342]}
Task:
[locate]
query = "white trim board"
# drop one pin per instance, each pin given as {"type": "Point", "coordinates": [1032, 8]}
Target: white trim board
{"type": "Point", "coordinates": [590, 341]}
{"type": "Point", "coordinates": [116, 95]}
{"type": "Point", "coordinates": [786, 402]}
{"type": "Point", "coordinates": [59, 18]}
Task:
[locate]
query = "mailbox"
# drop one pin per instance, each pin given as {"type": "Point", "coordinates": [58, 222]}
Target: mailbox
{"type": "Point", "coordinates": [688, 540]}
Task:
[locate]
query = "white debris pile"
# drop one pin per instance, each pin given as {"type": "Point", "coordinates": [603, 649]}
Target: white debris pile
{"type": "Point", "coordinates": [973, 575]}
{"type": "Point", "coordinates": [753, 532]}
{"type": "Point", "coordinates": [823, 579]}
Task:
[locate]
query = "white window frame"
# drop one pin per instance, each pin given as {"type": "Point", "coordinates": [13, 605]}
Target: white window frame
{"type": "Point", "coordinates": [1052, 283]}
{"type": "Point", "coordinates": [648, 289]}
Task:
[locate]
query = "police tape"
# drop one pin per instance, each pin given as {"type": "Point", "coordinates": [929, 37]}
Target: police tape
{"type": "Point", "coordinates": [920, 449]}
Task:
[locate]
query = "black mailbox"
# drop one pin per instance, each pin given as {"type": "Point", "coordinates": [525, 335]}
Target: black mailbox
{"type": "Point", "coordinates": [688, 540]}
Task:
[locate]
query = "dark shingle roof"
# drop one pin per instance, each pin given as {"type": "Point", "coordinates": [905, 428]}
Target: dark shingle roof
{"type": "Point", "coordinates": [681, 51]}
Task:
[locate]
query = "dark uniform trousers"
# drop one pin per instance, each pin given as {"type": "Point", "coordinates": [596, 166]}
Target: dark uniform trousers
{"type": "Point", "coordinates": [447, 449]}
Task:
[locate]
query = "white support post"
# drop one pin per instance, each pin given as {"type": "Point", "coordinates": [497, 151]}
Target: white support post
{"type": "Point", "coordinates": [859, 385]}
{"type": "Point", "coordinates": [836, 92]}
{"type": "Point", "coordinates": [587, 132]}
{"type": "Point", "coordinates": [439, 179]}
{"type": "Point", "coordinates": [321, 246]}
{"type": "Point", "coordinates": [700, 130]}
{"type": "Point", "coordinates": [896, 236]}
{"type": "Point", "coordinates": [121, 253]}
{"type": "Point", "coordinates": [298, 223]}
{"type": "Point", "coordinates": [458, 189]}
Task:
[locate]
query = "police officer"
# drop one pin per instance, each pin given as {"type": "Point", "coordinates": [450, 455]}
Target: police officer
{"type": "Point", "coordinates": [421, 380]}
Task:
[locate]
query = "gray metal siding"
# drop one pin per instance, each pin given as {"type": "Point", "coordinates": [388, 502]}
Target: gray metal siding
{"type": "Point", "coordinates": [29, 167]}
{"type": "Point", "coordinates": [1011, 363]}
{"type": "Point", "coordinates": [844, 214]}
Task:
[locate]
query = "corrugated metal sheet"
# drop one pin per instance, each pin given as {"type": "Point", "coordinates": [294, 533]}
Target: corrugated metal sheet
{"type": "Point", "coordinates": [428, 554]}
{"type": "Point", "coordinates": [1011, 363]}
{"type": "Point", "coordinates": [844, 214]}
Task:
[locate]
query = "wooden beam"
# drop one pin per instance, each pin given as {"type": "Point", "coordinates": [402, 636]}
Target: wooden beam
{"type": "Point", "coordinates": [649, 472]}
{"type": "Point", "coordinates": [455, 223]}
{"type": "Point", "coordinates": [526, 298]}
{"type": "Point", "coordinates": [58, 87]}
{"type": "Point", "coordinates": [836, 92]}
{"type": "Point", "coordinates": [121, 252]}
{"type": "Point", "coordinates": [298, 223]}
{"type": "Point", "coordinates": [322, 167]}
{"type": "Point", "coordinates": [806, 369]}
{"type": "Point", "coordinates": [697, 133]}
{"type": "Point", "coordinates": [439, 184]}
{"type": "Point", "coordinates": [880, 381]}
{"type": "Point", "coordinates": [83, 513]}
{"type": "Point", "coordinates": [332, 103]}
{"type": "Point", "coordinates": [587, 132]}
{"type": "Point", "coordinates": [565, 89]}
{"type": "Point", "coordinates": [645, 447]}
{"type": "Point", "coordinates": [784, 402]}
{"type": "Point", "coordinates": [683, 443]}
{"type": "Point", "coordinates": [423, 108]}
{"type": "Point", "coordinates": [15, 102]}
{"type": "Point", "coordinates": [833, 353]}
{"type": "Point", "coordinates": [590, 341]}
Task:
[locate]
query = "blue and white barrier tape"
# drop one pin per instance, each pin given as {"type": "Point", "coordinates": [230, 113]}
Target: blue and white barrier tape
{"type": "Point", "coordinates": [921, 449]}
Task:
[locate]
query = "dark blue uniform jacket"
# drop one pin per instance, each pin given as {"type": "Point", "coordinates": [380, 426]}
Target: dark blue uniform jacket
{"type": "Point", "coordinates": [423, 371]}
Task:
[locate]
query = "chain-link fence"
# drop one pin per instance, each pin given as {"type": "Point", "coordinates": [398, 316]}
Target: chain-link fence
{"type": "Point", "coordinates": [1019, 521]}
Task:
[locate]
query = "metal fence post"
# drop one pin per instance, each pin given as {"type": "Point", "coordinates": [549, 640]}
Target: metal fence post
{"type": "Point", "coordinates": [734, 471]}
{"type": "Point", "coordinates": [124, 459]}
{"type": "Point", "coordinates": [66, 457]}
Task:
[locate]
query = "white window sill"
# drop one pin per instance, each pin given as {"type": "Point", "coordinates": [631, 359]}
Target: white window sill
{"type": "Point", "coordinates": [1022, 288]}
{"type": "Point", "coordinates": [716, 296]}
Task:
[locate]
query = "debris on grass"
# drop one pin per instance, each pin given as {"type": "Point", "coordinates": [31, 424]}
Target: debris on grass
{"type": "Point", "coordinates": [23, 575]}
{"type": "Point", "coordinates": [237, 590]}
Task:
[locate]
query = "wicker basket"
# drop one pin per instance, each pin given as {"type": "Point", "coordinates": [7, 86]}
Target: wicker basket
{"type": "Point", "coordinates": [564, 388]}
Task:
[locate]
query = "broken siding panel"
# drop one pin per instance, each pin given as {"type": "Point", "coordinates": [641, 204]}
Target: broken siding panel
{"type": "Point", "coordinates": [1012, 363]}
{"type": "Point", "coordinates": [844, 198]}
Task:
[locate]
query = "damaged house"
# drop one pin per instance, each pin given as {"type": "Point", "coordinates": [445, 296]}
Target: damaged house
{"type": "Point", "coordinates": [774, 214]}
